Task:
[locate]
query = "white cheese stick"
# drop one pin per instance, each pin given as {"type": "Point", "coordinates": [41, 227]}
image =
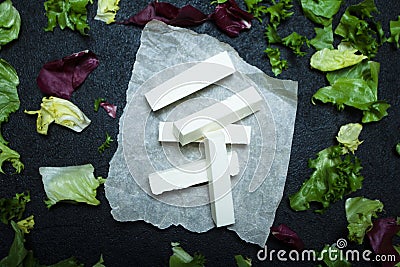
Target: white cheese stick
{"type": "Point", "coordinates": [193, 79]}
{"type": "Point", "coordinates": [217, 116]}
{"type": "Point", "coordinates": [219, 184]}
{"type": "Point", "coordinates": [187, 175]}
{"type": "Point", "coordinates": [234, 133]}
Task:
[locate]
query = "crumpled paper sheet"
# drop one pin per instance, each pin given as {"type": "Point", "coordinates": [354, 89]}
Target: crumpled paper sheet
{"type": "Point", "coordinates": [257, 190]}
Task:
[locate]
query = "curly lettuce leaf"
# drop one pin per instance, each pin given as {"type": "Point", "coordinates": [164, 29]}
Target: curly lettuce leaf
{"type": "Point", "coordinates": [27, 224]}
{"type": "Point", "coordinates": [67, 13]}
{"type": "Point", "coordinates": [13, 208]}
{"type": "Point", "coordinates": [106, 10]}
{"type": "Point", "coordinates": [272, 35]}
{"type": "Point", "coordinates": [10, 22]}
{"type": "Point", "coordinates": [359, 214]}
{"type": "Point", "coordinates": [59, 111]}
{"type": "Point", "coordinates": [323, 38]}
{"type": "Point", "coordinates": [334, 176]}
{"type": "Point", "coordinates": [335, 59]}
{"type": "Point", "coordinates": [180, 258]}
{"type": "Point", "coordinates": [321, 11]}
{"type": "Point", "coordinates": [254, 7]}
{"type": "Point", "coordinates": [395, 32]}
{"type": "Point", "coordinates": [275, 60]}
{"type": "Point", "coordinates": [348, 137]}
{"type": "Point", "coordinates": [295, 42]}
{"type": "Point", "coordinates": [242, 262]}
{"type": "Point", "coordinates": [71, 183]}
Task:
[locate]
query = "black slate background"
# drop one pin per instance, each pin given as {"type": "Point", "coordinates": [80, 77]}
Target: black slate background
{"type": "Point", "coordinates": [86, 232]}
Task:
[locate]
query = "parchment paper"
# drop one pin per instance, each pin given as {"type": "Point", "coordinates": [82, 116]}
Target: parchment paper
{"type": "Point", "coordinates": [257, 189]}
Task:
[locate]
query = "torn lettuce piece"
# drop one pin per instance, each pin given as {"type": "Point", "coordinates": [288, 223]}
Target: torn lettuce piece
{"type": "Point", "coordinates": [334, 176]}
{"type": "Point", "coordinates": [348, 137]}
{"type": "Point", "coordinates": [359, 214]}
{"type": "Point", "coordinates": [395, 32]}
{"type": "Point", "coordinates": [331, 257]}
{"type": "Point", "coordinates": [254, 7]}
{"type": "Point", "coordinates": [27, 224]}
{"type": "Point", "coordinates": [242, 262]}
{"type": "Point", "coordinates": [283, 233]}
{"type": "Point", "coordinates": [295, 42]}
{"type": "Point", "coordinates": [10, 22]}
{"type": "Point", "coordinates": [279, 12]}
{"type": "Point", "coordinates": [12, 156]}
{"type": "Point", "coordinates": [335, 59]}
{"type": "Point", "coordinates": [323, 38]}
{"type": "Point", "coordinates": [59, 111]}
{"type": "Point", "coordinates": [71, 183]}
{"type": "Point", "coordinates": [180, 258]}
{"type": "Point", "coordinates": [61, 77]}
{"type": "Point", "coordinates": [106, 144]}
{"type": "Point", "coordinates": [106, 10]}
{"type": "Point", "coordinates": [277, 64]}
{"type": "Point", "coordinates": [321, 11]}
{"type": "Point", "coordinates": [67, 13]}
{"type": "Point", "coordinates": [13, 208]}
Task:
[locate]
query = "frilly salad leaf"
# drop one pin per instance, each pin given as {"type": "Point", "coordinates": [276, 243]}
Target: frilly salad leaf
{"type": "Point", "coordinates": [295, 42]}
{"type": "Point", "coordinates": [13, 208]}
{"type": "Point", "coordinates": [10, 22]}
{"type": "Point", "coordinates": [335, 59]}
{"type": "Point", "coordinates": [180, 258]}
{"type": "Point", "coordinates": [283, 233]}
{"type": "Point", "coordinates": [62, 76]}
{"type": "Point", "coordinates": [348, 137]}
{"type": "Point", "coordinates": [359, 214]}
{"type": "Point", "coordinates": [321, 11]}
{"type": "Point", "coordinates": [59, 111]}
{"type": "Point", "coordinates": [277, 64]}
{"type": "Point", "coordinates": [71, 183]}
{"type": "Point", "coordinates": [242, 262]}
{"type": "Point", "coordinates": [336, 173]}
{"type": "Point", "coordinates": [381, 238]}
{"type": "Point", "coordinates": [106, 10]}
{"type": "Point", "coordinates": [357, 87]}
{"type": "Point", "coordinates": [231, 19]}
{"type": "Point", "coordinates": [395, 32]}
{"type": "Point", "coordinates": [67, 13]}
{"type": "Point", "coordinates": [323, 38]}
{"type": "Point", "coordinates": [27, 224]}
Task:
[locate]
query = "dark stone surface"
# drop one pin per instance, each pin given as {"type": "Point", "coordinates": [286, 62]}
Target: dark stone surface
{"type": "Point", "coordinates": [86, 232]}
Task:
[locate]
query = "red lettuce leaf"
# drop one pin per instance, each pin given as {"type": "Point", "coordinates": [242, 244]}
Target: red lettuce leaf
{"type": "Point", "coordinates": [183, 17]}
{"type": "Point", "coordinates": [287, 236]}
{"type": "Point", "coordinates": [380, 237]}
{"type": "Point", "coordinates": [231, 19]}
{"type": "Point", "coordinates": [110, 108]}
{"type": "Point", "coordinates": [61, 77]}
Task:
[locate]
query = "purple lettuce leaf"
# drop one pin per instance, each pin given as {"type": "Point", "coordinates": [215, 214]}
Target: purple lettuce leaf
{"type": "Point", "coordinates": [61, 77]}
{"type": "Point", "coordinates": [183, 17]}
{"type": "Point", "coordinates": [231, 19]}
{"type": "Point", "coordinates": [287, 236]}
{"type": "Point", "coordinates": [110, 109]}
{"type": "Point", "coordinates": [380, 237]}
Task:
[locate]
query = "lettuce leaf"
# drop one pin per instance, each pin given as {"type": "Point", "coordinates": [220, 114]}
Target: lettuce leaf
{"type": "Point", "coordinates": [26, 224]}
{"type": "Point", "coordinates": [348, 137]}
{"type": "Point", "coordinates": [60, 111]}
{"type": "Point", "coordinates": [13, 208]}
{"type": "Point", "coordinates": [106, 10]}
{"type": "Point", "coordinates": [275, 60]}
{"type": "Point", "coordinates": [295, 42]}
{"type": "Point", "coordinates": [335, 59]}
{"type": "Point", "coordinates": [283, 233]}
{"type": "Point", "coordinates": [359, 214]}
{"type": "Point", "coordinates": [71, 183]}
{"type": "Point", "coordinates": [331, 257]}
{"type": "Point", "coordinates": [321, 11]}
{"type": "Point", "coordinates": [180, 258]}
{"type": "Point", "coordinates": [62, 76]}
{"type": "Point", "coordinates": [242, 262]}
{"type": "Point", "coordinates": [10, 22]}
{"type": "Point", "coordinates": [67, 13]}
{"type": "Point", "coordinates": [395, 32]}
{"type": "Point", "coordinates": [323, 38]}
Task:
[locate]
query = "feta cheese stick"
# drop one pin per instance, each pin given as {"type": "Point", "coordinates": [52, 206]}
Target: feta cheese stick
{"type": "Point", "coordinates": [187, 175]}
{"type": "Point", "coordinates": [217, 116]}
{"type": "Point", "coordinates": [219, 184]}
{"type": "Point", "coordinates": [234, 133]}
{"type": "Point", "coordinates": [193, 79]}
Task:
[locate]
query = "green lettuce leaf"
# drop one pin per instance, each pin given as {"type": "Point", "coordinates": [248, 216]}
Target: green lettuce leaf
{"type": "Point", "coordinates": [71, 183]}
{"type": "Point", "coordinates": [67, 13]}
{"type": "Point", "coordinates": [272, 35]}
{"type": "Point", "coordinates": [321, 11]}
{"type": "Point", "coordinates": [359, 214]}
{"type": "Point", "coordinates": [26, 224]}
{"type": "Point", "coordinates": [106, 10]}
{"type": "Point", "coordinates": [295, 42]}
{"type": "Point", "coordinates": [242, 262]}
{"type": "Point", "coordinates": [59, 111]}
{"type": "Point", "coordinates": [398, 149]}
{"type": "Point", "coordinates": [348, 137]}
{"type": "Point", "coordinates": [334, 176]}
{"type": "Point", "coordinates": [10, 22]}
{"type": "Point", "coordinates": [9, 100]}
{"type": "Point", "coordinates": [275, 60]}
{"type": "Point", "coordinates": [330, 255]}
{"type": "Point", "coordinates": [13, 208]}
{"type": "Point", "coordinates": [323, 38]}
{"type": "Point", "coordinates": [180, 258]}
{"type": "Point", "coordinates": [335, 59]}
{"type": "Point", "coordinates": [360, 32]}
{"type": "Point", "coordinates": [395, 32]}
{"type": "Point", "coordinates": [254, 7]}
